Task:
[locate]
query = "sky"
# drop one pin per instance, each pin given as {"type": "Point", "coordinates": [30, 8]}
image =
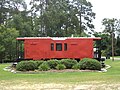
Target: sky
{"type": "Point", "coordinates": [105, 9]}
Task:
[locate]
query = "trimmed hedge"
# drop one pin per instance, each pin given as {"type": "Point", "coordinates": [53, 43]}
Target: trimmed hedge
{"type": "Point", "coordinates": [76, 66]}
{"type": "Point", "coordinates": [26, 66]}
{"type": "Point", "coordinates": [68, 63]}
{"type": "Point", "coordinates": [60, 67]}
{"type": "Point", "coordinates": [53, 63]}
{"type": "Point", "coordinates": [38, 63]}
{"type": "Point", "coordinates": [86, 63]}
{"type": "Point", "coordinates": [90, 64]}
{"type": "Point", "coordinates": [44, 67]}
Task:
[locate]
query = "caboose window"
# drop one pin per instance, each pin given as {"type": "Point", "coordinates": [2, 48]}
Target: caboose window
{"type": "Point", "coordinates": [52, 46]}
{"type": "Point", "coordinates": [65, 46]}
{"type": "Point", "coordinates": [58, 46]}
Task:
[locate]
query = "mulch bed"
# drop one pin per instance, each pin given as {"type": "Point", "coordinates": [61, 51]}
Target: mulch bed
{"type": "Point", "coordinates": [54, 71]}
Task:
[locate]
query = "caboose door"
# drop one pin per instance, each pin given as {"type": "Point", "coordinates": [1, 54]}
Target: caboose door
{"type": "Point", "coordinates": [59, 50]}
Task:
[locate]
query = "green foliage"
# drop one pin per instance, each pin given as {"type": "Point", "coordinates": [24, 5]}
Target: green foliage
{"type": "Point", "coordinates": [106, 43]}
{"type": "Point", "coordinates": [25, 66]}
{"type": "Point", "coordinates": [90, 64]}
{"type": "Point", "coordinates": [22, 24]}
{"type": "Point", "coordinates": [76, 66]}
{"type": "Point", "coordinates": [70, 14]}
{"type": "Point", "coordinates": [38, 63]}
{"type": "Point", "coordinates": [112, 29]}
{"type": "Point", "coordinates": [68, 63]}
{"type": "Point", "coordinates": [44, 67]}
{"type": "Point", "coordinates": [110, 24]}
{"type": "Point", "coordinates": [11, 7]}
{"type": "Point", "coordinates": [60, 67]}
{"type": "Point", "coordinates": [7, 43]}
{"type": "Point", "coordinates": [53, 63]}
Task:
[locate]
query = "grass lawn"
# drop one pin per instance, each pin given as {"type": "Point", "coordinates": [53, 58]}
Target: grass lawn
{"type": "Point", "coordinates": [112, 76]}
{"type": "Point", "coordinates": [117, 56]}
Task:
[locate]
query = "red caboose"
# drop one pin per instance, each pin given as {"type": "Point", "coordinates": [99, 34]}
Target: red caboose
{"type": "Point", "coordinates": [37, 48]}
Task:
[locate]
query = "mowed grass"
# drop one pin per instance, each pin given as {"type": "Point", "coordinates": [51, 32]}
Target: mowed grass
{"type": "Point", "coordinates": [111, 76]}
{"type": "Point", "coordinates": [117, 56]}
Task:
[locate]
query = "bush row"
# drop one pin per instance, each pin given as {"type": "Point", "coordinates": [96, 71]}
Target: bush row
{"type": "Point", "coordinates": [86, 63]}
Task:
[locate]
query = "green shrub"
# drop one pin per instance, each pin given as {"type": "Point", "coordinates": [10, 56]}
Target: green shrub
{"type": "Point", "coordinates": [44, 67]}
{"type": "Point", "coordinates": [68, 63]}
{"type": "Point", "coordinates": [38, 63]}
{"type": "Point", "coordinates": [90, 64]}
{"type": "Point", "coordinates": [60, 67]}
{"type": "Point", "coordinates": [53, 63]}
{"type": "Point", "coordinates": [25, 66]}
{"type": "Point", "coordinates": [76, 66]}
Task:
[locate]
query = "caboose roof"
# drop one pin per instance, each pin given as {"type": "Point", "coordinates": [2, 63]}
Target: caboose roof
{"type": "Point", "coordinates": [57, 38]}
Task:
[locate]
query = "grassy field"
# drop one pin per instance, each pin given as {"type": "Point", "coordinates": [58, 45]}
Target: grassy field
{"type": "Point", "coordinates": [117, 56]}
{"type": "Point", "coordinates": [112, 76]}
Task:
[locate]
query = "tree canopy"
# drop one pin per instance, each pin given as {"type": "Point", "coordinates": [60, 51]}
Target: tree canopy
{"type": "Point", "coordinates": [111, 36]}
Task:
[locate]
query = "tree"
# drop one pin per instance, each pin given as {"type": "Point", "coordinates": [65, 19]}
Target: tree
{"type": "Point", "coordinates": [117, 50]}
{"type": "Point", "coordinates": [62, 17]}
{"type": "Point", "coordinates": [22, 23]}
{"type": "Point", "coordinates": [105, 42]}
{"type": "Point", "coordinates": [85, 15]}
{"type": "Point", "coordinates": [9, 10]}
{"type": "Point", "coordinates": [111, 26]}
{"type": "Point", "coordinates": [14, 14]}
{"type": "Point", "coordinates": [38, 7]}
{"type": "Point", "coordinates": [4, 9]}
{"type": "Point", "coordinates": [10, 7]}
{"type": "Point", "coordinates": [55, 18]}
{"type": "Point", "coordinates": [7, 43]}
